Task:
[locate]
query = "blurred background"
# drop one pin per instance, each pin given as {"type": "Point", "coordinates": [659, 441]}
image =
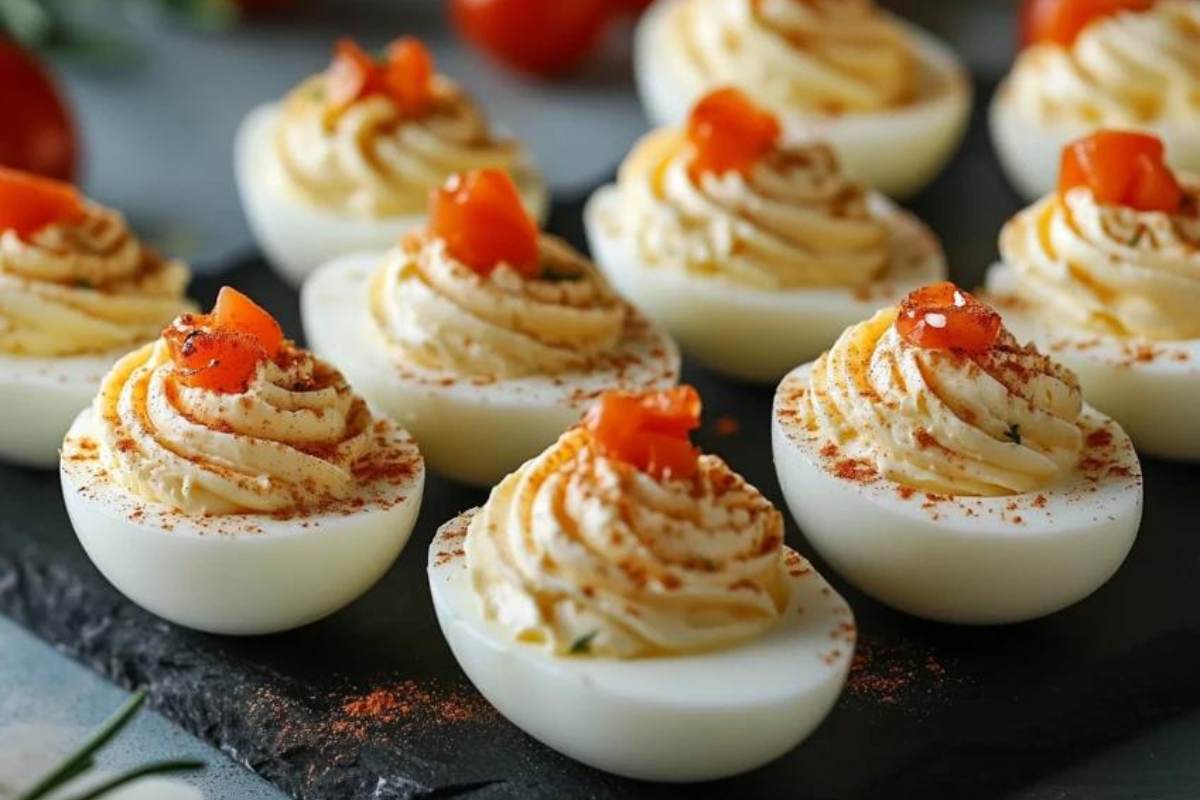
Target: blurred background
{"type": "Point", "coordinates": [156, 89]}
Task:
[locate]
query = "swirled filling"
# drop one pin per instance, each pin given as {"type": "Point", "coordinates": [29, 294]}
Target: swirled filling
{"type": "Point", "coordinates": [372, 160]}
{"type": "Point", "coordinates": [998, 422]}
{"type": "Point", "coordinates": [1132, 68]}
{"type": "Point", "coordinates": [443, 315]}
{"type": "Point", "coordinates": [1110, 268]}
{"type": "Point", "coordinates": [824, 56]}
{"type": "Point", "coordinates": [793, 220]}
{"type": "Point", "coordinates": [86, 286]}
{"type": "Point", "coordinates": [289, 441]}
{"type": "Point", "coordinates": [578, 553]}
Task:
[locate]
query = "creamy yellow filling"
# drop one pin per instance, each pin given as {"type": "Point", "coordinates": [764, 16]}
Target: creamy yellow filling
{"type": "Point", "coordinates": [442, 315]}
{"type": "Point", "coordinates": [822, 56]}
{"type": "Point", "coordinates": [1000, 423]}
{"type": "Point", "coordinates": [1129, 69]}
{"type": "Point", "coordinates": [84, 287]}
{"type": "Point", "coordinates": [290, 441]}
{"type": "Point", "coordinates": [794, 221]}
{"type": "Point", "coordinates": [1109, 269]}
{"type": "Point", "coordinates": [371, 161]}
{"type": "Point", "coordinates": [578, 554]}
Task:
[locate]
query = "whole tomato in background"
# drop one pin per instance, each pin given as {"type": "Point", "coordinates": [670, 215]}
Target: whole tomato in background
{"type": "Point", "coordinates": [539, 37]}
{"type": "Point", "coordinates": [38, 133]}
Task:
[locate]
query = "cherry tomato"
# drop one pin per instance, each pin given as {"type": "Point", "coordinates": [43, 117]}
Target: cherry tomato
{"type": "Point", "coordinates": [943, 317]}
{"type": "Point", "coordinates": [480, 217]}
{"type": "Point", "coordinates": [1121, 168]}
{"type": "Point", "coordinates": [37, 133]}
{"type": "Point", "coordinates": [539, 37]}
{"type": "Point", "coordinates": [1061, 21]}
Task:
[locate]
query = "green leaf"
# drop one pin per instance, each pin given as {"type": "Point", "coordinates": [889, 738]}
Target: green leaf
{"type": "Point", "coordinates": [27, 21]}
{"type": "Point", "coordinates": [155, 768]}
{"type": "Point", "coordinates": [81, 760]}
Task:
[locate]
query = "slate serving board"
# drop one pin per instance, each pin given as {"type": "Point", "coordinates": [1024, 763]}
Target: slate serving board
{"type": "Point", "coordinates": [369, 703]}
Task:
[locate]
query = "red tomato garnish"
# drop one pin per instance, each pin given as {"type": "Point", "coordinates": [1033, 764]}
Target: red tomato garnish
{"type": "Point", "coordinates": [729, 132]}
{"type": "Point", "coordinates": [221, 351]}
{"type": "Point", "coordinates": [30, 202]}
{"type": "Point", "coordinates": [352, 73]}
{"type": "Point", "coordinates": [649, 431]}
{"type": "Point", "coordinates": [480, 217]}
{"type": "Point", "coordinates": [1061, 21]}
{"type": "Point", "coordinates": [943, 317]}
{"type": "Point", "coordinates": [539, 37]}
{"type": "Point", "coordinates": [235, 311]}
{"type": "Point", "coordinates": [409, 75]}
{"type": "Point", "coordinates": [37, 133]}
{"type": "Point", "coordinates": [406, 77]}
{"type": "Point", "coordinates": [1121, 168]}
{"type": "Point", "coordinates": [215, 359]}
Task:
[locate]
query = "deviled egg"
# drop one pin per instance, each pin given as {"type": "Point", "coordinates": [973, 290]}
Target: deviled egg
{"type": "Point", "coordinates": [1131, 64]}
{"type": "Point", "coordinates": [892, 99]}
{"type": "Point", "coordinates": [347, 160]}
{"type": "Point", "coordinates": [229, 481]}
{"type": "Point", "coordinates": [630, 602]}
{"type": "Point", "coordinates": [483, 337]}
{"type": "Point", "coordinates": [753, 253]}
{"type": "Point", "coordinates": [950, 472]}
{"type": "Point", "coordinates": [1104, 274]}
{"type": "Point", "coordinates": [77, 289]}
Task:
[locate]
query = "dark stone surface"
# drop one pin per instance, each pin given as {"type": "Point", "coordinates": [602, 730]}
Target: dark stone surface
{"type": "Point", "coordinates": [935, 710]}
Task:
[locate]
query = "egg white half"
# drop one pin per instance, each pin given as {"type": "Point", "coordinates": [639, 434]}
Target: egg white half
{"type": "Point", "coordinates": [745, 332]}
{"type": "Point", "coordinates": [897, 151]}
{"type": "Point", "coordinates": [1030, 150]}
{"type": "Point", "coordinates": [296, 236]}
{"type": "Point", "coordinates": [1151, 388]}
{"type": "Point", "coordinates": [472, 430]}
{"type": "Point", "coordinates": [239, 573]}
{"type": "Point", "coordinates": [974, 560]}
{"type": "Point", "coordinates": [40, 398]}
{"type": "Point", "coordinates": [682, 718]}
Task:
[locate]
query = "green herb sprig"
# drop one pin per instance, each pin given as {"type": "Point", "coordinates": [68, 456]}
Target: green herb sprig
{"type": "Point", "coordinates": [582, 645]}
{"type": "Point", "coordinates": [83, 760]}
{"type": "Point", "coordinates": [1013, 434]}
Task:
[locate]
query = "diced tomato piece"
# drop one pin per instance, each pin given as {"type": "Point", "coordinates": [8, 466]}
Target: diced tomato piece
{"type": "Point", "coordinates": [408, 76]}
{"type": "Point", "coordinates": [648, 431]}
{"type": "Point", "coordinates": [480, 217]}
{"type": "Point", "coordinates": [235, 311]}
{"type": "Point", "coordinates": [1121, 168]}
{"type": "Point", "coordinates": [729, 132]}
{"type": "Point", "coordinates": [30, 202]}
{"type": "Point", "coordinates": [1154, 187]}
{"type": "Point", "coordinates": [215, 359]}
{"type": "Point", "coordinates": [1061, 21]}
{"type": "Point", "coordinates": [352, 73]}
{"type": "Point", "coordinates": [943, 317]}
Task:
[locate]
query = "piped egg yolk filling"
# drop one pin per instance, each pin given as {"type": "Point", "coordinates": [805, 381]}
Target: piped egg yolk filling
{"type": "Point", "coordinates": [621, 540]}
